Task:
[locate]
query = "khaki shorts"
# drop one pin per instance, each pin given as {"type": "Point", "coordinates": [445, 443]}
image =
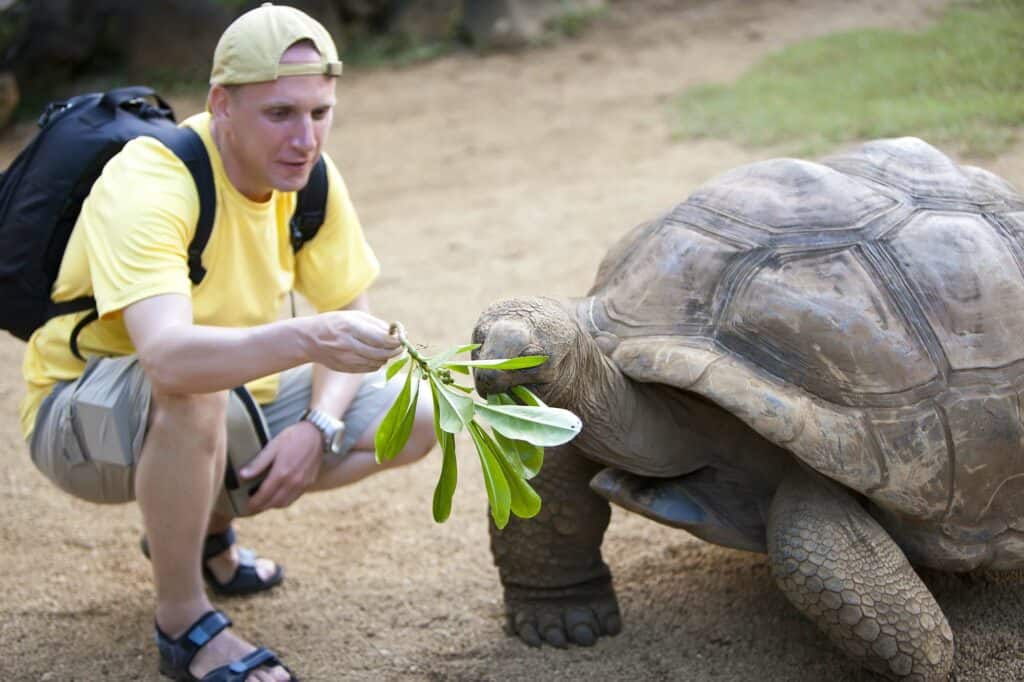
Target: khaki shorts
{"type": "Point", "coordinates": [89, 432]}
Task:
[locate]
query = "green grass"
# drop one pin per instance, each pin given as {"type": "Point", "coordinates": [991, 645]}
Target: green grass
{"type": "Point", "coordinates": [959, 83]}
{"type": "Point", "coordinates": [572, 22]}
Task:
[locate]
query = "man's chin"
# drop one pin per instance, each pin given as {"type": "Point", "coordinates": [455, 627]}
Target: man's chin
{"type": "Point", "coordinates": [292, 182]}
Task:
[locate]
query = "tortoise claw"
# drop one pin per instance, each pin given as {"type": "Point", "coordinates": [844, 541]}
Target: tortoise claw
{"type": "Point", "coordinates": [565, 616]}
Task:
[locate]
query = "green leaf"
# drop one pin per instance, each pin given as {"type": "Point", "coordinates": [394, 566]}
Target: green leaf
{"type": "Point", "coordinates": [388, 426]}
{"type": "Point", "coordinates": [396, 427]}
{"type": "Point", "coordinates": [524, 501]}
{"type": "Point", "coordinates": [455, 411]}
{"type": "Point", "coordinates": [522, 362]}
{"type": "Point", "coordinates": [436, 361]}
{"type": "Point", "coordinates": [545, 426]}
{"type": "Point", "coordinates": [445, 488]}
{"type": "Point", "coordinates": [442, 359]}
{"type": "Point", "coordinates": [395, 367]}
{"type": "Point", "coordinates": [527, 396]}
{"type": "Point", "coordinates": [498, 493]}
{"type": "Point", "coordinates": [506, 448]}
{"type": "Point", "coordinates": [464, 389]}
{"type": "Point", "coordinates": [528, 458]}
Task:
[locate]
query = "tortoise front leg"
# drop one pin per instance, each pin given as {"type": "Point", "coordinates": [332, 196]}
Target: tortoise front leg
{"type": "Point", "coordinates": [842, 570]}
{"type": "Point", "coordinates": [557, 588]}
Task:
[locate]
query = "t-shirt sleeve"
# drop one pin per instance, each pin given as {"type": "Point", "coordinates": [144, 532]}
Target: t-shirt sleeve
{"type": "Point", "coordinates": [138, 221]}
{"type": "Point", "coordinates": [338, 264]}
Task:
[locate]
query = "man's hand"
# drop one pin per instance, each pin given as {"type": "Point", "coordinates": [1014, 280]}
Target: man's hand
{"type": "Point", "coordinates": [294, 458]}
{"type": "Point", "coordinates": [352, 341]}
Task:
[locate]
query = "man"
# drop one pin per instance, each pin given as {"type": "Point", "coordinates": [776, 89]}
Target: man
{"type": "Point", "coordinates": [165, 356]}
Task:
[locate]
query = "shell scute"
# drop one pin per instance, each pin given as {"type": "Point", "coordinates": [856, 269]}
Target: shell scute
{"type": "Point", "coordinates": [791, 195]}
{"type": "Point", "coordinates": [821, 322]}
{"type": "Point", "coordinates": [963, 271]}
{"type": "Point", "coordinates": [667, 282]}
{"type": "Point", "coordinates": [914, 167]}
{"type": "Point", "coordinates": [987, 429]}
{"type": "Point", "coordinates": [917, 458]}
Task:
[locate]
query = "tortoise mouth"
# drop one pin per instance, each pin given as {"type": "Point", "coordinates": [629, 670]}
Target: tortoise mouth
{"type": "Point", "coordinates": [491, 382]}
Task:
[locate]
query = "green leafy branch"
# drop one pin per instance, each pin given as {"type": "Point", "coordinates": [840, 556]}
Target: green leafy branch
{"type": "Point", "coordinates": [511, 452]}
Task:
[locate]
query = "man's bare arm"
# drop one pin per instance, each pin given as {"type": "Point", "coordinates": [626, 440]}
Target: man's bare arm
{"type": "Point", "coordinates": [181, 357]}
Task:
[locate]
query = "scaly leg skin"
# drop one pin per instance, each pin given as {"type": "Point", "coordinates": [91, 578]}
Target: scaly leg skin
{"type": "Point", "coordinates": [842, 570]}
{"type": "Point", "coordinates": [557, 588]}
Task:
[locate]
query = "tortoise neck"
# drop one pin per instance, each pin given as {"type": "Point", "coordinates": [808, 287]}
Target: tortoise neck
{"type": "Point", "coordinates": [652, 429]}
{"type": "Point", "coordinates": [625, 424]}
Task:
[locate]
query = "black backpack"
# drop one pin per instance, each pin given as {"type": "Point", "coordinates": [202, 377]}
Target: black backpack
{"type": "Point", "coordinates": [41, 194]}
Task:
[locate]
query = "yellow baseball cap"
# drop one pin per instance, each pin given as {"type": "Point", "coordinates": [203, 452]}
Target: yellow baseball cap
{"type": "Point", "coordinates": [250, 49]}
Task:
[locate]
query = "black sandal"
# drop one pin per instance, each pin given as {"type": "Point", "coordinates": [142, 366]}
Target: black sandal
{"type": "Point", "coordinates": [176, 654]}
{"type": "Point", "coordinates": [245, 580]}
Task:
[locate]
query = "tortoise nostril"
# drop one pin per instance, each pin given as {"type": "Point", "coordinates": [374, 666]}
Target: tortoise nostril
{"type": "Point", "coordinates": [486, 381]}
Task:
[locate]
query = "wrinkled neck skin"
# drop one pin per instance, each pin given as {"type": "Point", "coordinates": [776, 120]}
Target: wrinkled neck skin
{"type": "Point", "coordinates": [655, 430]}
{"type": "Point", "coordinates": [626, 424]}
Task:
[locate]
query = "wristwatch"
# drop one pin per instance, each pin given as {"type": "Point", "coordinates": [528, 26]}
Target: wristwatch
{"type": "Point", "coordinates": [333, 430]}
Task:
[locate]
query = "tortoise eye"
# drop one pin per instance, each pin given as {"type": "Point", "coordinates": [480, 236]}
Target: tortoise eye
{"type": "Point", "coordinates": [534, 349]}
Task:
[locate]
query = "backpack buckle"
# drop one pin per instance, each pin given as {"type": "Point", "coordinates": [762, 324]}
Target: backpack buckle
{"type": "Point", "coordinates": [51, 110]}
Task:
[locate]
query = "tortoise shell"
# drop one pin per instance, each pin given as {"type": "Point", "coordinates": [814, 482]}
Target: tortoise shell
{"type": "Point", "coordinates": [865, 312]}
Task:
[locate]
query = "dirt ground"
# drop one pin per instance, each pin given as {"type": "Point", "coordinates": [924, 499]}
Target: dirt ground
{"type": "Point", "coordinates": [478, 179]}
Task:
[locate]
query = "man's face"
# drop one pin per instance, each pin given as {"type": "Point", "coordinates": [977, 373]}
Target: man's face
{"type": "Point", "coordinates": [271, 133]}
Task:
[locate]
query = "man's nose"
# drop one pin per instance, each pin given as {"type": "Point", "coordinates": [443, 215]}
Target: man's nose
{"type": "Point", "coordinates": [305, 133]}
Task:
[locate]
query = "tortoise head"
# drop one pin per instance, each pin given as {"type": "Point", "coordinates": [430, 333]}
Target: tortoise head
{"type": "Point", "coordinates": [527, 326]}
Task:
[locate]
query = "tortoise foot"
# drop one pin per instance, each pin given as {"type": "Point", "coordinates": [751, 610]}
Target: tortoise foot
{"type": "Point", "coordinates": [579, 614]}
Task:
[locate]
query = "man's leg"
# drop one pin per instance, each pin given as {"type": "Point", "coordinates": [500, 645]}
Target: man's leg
{"type": "Point", "coordinates": [91, 440]}
{"type": "Point", "coordinates": [178, 477]}
{"type": "Point", "coordinates": [361, 460]}
{"type": "Point", "coordinates": [181, 462]}
{"type": "Point", "coordinates": [362, 418]}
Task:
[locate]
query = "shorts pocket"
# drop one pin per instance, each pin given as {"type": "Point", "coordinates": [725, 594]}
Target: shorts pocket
{"type": "Point", "coordinates": [105, 414]}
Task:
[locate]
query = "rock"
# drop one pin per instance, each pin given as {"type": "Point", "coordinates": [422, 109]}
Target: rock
{"type": "Point", "coordinates": [424, 21]}
{"type": "Point", "coordinates": [511, 24]}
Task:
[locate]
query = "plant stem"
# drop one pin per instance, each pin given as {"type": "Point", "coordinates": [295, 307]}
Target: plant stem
{"type": "Point", "coordinates": [398, 330]}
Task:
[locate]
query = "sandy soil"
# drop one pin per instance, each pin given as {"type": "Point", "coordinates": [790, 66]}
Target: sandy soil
{"type": "Point", "coordinates": [479, 179]}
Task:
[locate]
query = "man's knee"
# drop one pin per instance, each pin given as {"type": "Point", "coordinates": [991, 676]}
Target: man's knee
{"type": "Point", "coordinates": [198, 416]}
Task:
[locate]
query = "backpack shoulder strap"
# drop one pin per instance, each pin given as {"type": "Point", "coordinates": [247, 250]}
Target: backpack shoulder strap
{"type": "Point", "coordinates": [310, 207]}
{"type": "Point", "coordinates": [188, 146]}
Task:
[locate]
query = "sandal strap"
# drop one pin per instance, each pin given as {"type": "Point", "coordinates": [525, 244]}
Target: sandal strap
{"type": "Point", "coordinates": [178, 653]}
{"type": "Point", "coordinates": [218, 543]}
{"type": "Point", "coordinates": [252, 660]}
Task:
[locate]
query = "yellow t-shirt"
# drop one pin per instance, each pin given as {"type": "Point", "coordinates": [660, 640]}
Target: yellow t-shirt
{"type": "Point", "coordinates": [131, 242]}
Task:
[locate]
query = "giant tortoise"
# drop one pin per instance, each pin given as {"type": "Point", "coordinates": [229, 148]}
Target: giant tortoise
{"type": "Point", "coordinates": [820, 361]}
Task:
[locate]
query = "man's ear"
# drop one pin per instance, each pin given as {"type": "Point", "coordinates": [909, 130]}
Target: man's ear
{"type": "Point", "coordinates": [218, 101]}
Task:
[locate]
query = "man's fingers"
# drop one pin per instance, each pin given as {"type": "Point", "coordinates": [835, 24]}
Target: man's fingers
{"type": "Point", "coordinates": [380, 354]}
{"type": "Point", "coordinates": [375, 337]}
{"type": "Point", "coordinates": [264, 493]}
{"type": "Point", "coordinates": [371, 330]}
{"type": "Point", "coordinates": [258, 463]}
{"type": "Point", "coordinates": [279, 498]}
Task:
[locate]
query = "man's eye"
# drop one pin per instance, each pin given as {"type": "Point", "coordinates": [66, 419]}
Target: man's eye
{"type": "Point", "coordinates": [278, 114]}
{"type": "Point", "coordinates": [320, 114]}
